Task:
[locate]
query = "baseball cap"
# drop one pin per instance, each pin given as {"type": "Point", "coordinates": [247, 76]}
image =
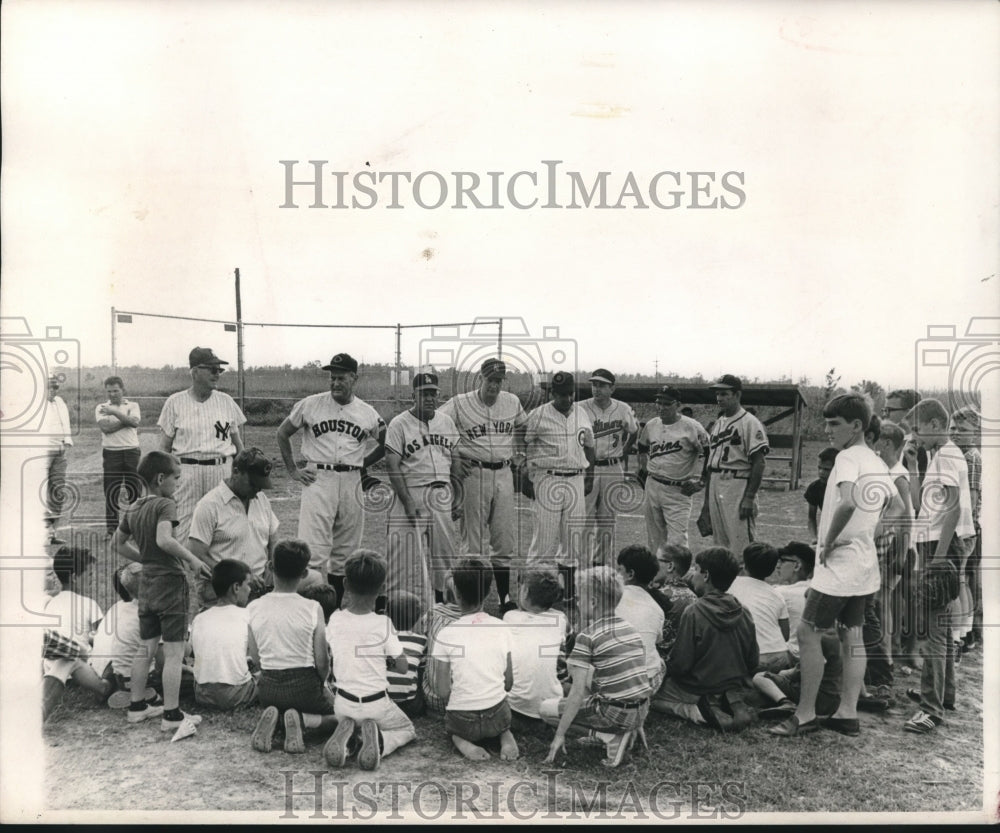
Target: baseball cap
{"type": "Point", "coordinates": [342, 361]}
{"type": "Point", "coordinates": [563, 382]}
{"type": "Point", "coordinates": [727, 382]}
{"type": "Point", "coordinates": [254, 462]}
{"type": "Point", "coordinates": [602, 375]}
{"type": "Point", "coordinates": [668, 394]}
{"type": "Point", "coordinates": [203, 355]}
{"type": "Point", "coordinates": [493, 368]}
{"type": "Point", "coordinates": [426, 381]}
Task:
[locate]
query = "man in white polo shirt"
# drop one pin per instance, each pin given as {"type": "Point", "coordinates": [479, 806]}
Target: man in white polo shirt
{"type": "Point", "coordinates": [118, 419]}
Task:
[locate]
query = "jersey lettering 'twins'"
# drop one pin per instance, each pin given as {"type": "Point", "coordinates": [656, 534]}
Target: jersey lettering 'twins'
{"type": "Point", "coordinates": [341, 426]}
{"type": "Point", "coordinates": [499, 427]}
{"type": "Point", "coordinates": [660, 449]}
{"type": "Point", "coordinates": [423, 441]}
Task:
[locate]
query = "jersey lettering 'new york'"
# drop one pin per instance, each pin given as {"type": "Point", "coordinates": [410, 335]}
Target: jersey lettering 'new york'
{"type": "Point", "coordinates": [675, 450]}
{"type": "Point", "coordinates": [336, 434]}
{"type": "Point", "coordinates": [486, 433]}
{"type": "Point", "coordinates": [201, 427]}
{"type": "Point", "coordinates": [611, 426]}
{"type": "Point", "coordinates": [556, 441]}
{"type": "Point", "coordinates": [734, 439]}
{"type": "Point", "coordinates": [425, 448]}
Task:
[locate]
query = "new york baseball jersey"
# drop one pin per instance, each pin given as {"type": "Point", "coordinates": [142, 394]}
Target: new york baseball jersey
{"type": "Point", "coordinates": [201, 427]}
{"type": "Point", "coordinates": [486, 433]}
{"type": "Point", "coordinates": [555, 441]}
{"type": "Point", "coordinates": [675, 450]}
{"type": "Point", "coordinates": [335, 434]}
{"type": "Point", "coordinates": [611, 426]}
{"type": "Point", "coordinates": [733, 440]}
{"type": "Point", "coordinates": [425, 448]}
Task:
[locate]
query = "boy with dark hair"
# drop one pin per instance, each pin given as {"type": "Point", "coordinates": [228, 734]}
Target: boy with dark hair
{"type": "Point", "coordinates": [716, 648]}
{"type": "Point", "coordinates": [430, 625]}
{"type": "Point", "coordinates": [364, 644]}
{"type": "Point", "coordinates": [325, 594]}
{"type": "Point", "coordinates": [796, 561]}
{"type": "Point", "coordinates": [670, 584]}
{"type": "Point", "coordinates": [637, 567]}
{"type": "Point", "coordinates": [470, 667]}
{"type": "Point", "coordinates": [288, 644]}
{"type": "Point", "coordinates": [766, 605]}
{"type": "Point", "coordinates": [816, 489]}
{"type": "Point", "coordinates": [220, 638]}
{"type": "Point", "coordinates": [404, 610]}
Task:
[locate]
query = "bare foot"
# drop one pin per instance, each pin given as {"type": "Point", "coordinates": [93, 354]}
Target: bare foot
{"type": "Point", "coordinates": [508, 747]}
{"type": "Point", "coordinates": [469, 749]}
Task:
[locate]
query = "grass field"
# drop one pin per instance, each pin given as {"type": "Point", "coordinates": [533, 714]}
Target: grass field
{"type": "Point", "coordinates": [94, 761]}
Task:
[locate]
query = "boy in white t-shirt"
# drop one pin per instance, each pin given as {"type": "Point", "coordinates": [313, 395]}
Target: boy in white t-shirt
{"type": "Point", "coordinates": [766, 605]}
{"type": "Point", "coordinates": [220, 637]}
{"type": "Point", "coordinates": [637, 567]}
{"type": "Point", "coordinates": [470, 667]}
{"type": "Point", "coordinates": [537, 633]}
{"type": "Point", "coordinates": [364, 645]}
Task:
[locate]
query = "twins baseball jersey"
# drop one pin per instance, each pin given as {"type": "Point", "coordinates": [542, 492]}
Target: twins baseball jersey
{"type": "Point", "coordinates": [733, 440]}
{"type": "Point", "coordinates": [611, 426]}
{"type": "Point", "coordinates": [486, 432]}
{"type": "Point", "coordinates": [201, 427]}
{"type": "Point", "coordinates": [335, 434]}
{"type": "Point", "coordinates": [425, 448]}
{"type": "Point", "coordinates": [556, 441]}
{"type": "Point", "coordinates": [675, 450]}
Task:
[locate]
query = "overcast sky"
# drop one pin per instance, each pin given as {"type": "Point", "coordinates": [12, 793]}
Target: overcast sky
{"type": "Point", "coordinates": [142, 146]}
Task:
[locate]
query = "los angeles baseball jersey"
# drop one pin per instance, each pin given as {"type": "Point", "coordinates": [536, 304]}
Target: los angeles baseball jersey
{"type": "Point", "coordinates": [555, 441]}
{"type": "Point", "coordinates": [611, 426]}
{"type": "Point", "coordinates": [675, 450]}
{"type": "Point", "coordinates": [425, 448]}
{"type": "Point", "coordinates": [201, 427]}
{"type": "Point", "coordinates": [734, 439]}
{"type": "Point", "coordinates": [335, 434]}
{"type": "Point", "coordinates": [486, 433]}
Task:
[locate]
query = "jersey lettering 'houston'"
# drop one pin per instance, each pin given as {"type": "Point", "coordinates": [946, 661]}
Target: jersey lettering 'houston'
{"type": "Point", "coordinates": [675, 450]}
{"type": "Point", "coordinates": [734, 439]}
{"type": "Point", "coordinates": [611, 427]}
{"type": "Point", "coordinates": [336, 434]}
{"type": "Point", "coordinates": [555, 441]}
{"type": "Point", "coordinates": [201, 427]}
{"type": "Point", "coordinates": [486, 433]}
{"type": "Point", "coordinates": [425, 448]}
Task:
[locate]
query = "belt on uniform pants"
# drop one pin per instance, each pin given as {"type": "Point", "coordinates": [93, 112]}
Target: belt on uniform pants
{"type": "Point", "coordinates": [609, 462]}
{"type": "Point", "coordinates": [491, 466]}
{"type": "Point", "coordinates": [197, 461]}
{"type": "Point", "coordinates": [730, 473]}
{"type": "Point", "coordinates": [368, 698]}
{"type": "Point", "coordinates": [337, 467]}
{"type": "Point", "coordinates": [666, 481]}
{"type": "Point", "coordinates": [564, 473]}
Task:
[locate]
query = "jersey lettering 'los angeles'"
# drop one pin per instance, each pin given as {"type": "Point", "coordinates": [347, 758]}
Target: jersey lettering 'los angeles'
{"type": "Point", "coordinates": [336, 434]}
{"type": "Point", "coordinates": [611, 426]}
{"type": "Point", "coordinates": [734, 439]}
{"type": "Point", "coordinates": [425, 448]}
{"type": "Point", "coordinates": [675, 450]}
{"type": "Point", "coordinates": [201, 427]}
{"type": "Point", "coordinates": [486, 433]}
{"type": "Point", "coordinates": [556, 441]}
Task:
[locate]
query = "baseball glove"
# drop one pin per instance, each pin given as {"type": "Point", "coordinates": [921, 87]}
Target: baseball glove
{"type": "Point", "coordinates": [522, 483]}
{"type": "Point", "coordinates": [368, 482]}
{"type": "Point", "coordinates": [691, 486]}
{"type": "Point", "coordinates": [704, 525]}
{"type": "Point", "coordinates": [938, 586]}
{"type": "Point", "coordinates": [641, 476]}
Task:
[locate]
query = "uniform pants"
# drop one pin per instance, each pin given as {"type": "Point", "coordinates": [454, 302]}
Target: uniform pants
{"type": "Point", "coordinates": [55, 489]}
{"type": "Point", "coordinates": [332, 519]}
{"type": "Point", "coordinates": [489, 519]}
{"type": "Point", "coordinates": [728, 530]}
{"type": "Point", "coordinates": [560, 520]}
{"type": "Point", "coordinates": [421, 555]}
{"type": "Point", "coordinates": [604, 502]}
{"type": "Point", "coordinates": [195, 483]}
{"type": "Point", "coordinates": [121, 482]}
{"type": "Point", "coordinates": [668, 512]}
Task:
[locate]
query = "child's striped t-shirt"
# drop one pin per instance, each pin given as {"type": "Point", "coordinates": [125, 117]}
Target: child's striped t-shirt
{"type": "Point", "coordinates": [403, 687]}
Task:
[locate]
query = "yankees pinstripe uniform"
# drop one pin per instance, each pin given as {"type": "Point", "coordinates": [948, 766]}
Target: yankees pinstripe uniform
{"type": "Point", "coordinates": [420, 555]}
{"type": "Point", "coordinates": [612, 427]}
{"type": "Point", "coordinates": [202, 437]}
{"type": "Point", "coordinates": [676, 454]}
{"type": "Point", "coordinates": [334, 440]}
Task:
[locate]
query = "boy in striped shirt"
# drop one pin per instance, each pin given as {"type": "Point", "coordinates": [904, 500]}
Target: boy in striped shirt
{"type": "Point", "coordinates": [404, 609]}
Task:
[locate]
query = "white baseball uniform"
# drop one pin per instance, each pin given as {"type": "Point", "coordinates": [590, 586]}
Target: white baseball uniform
{"type": "Point", "coordinates": [202, 439]}
{"type": "Point", "coordinates": [676, 453]}
{"type": "Point", "coordinates": [420, 556]}
{"type": "Point", "coordinates": [732, 441]}
{"type": "Point", "coordinates": [486, 438]}
{"type": "Point", "coordinates": [556, 463]}
{"type": "Point", "coordinates": [611, 429]}
{"type": "Point", "coordinates": [334, 440]}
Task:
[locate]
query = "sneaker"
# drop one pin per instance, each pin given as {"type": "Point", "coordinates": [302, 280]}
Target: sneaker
{"type": "Point", "coordinates": [617, 746]}
{"type": "Point", "coordinates": [921, 723]}
{"type": "Point", "coordinates": [294, 744]}
{"type": "Point", "coordinates": [263, 735]}
{"type": "Point", "coordinates": [335, 752]}
{"type": "Point", "coordinates": [371, 745]}
{"type": "Point", "coordinates": [148, 713]}
{"type": "Point", "coordinates": [122, 698]}
{"type": "Point", "coordinates": [172, 725]}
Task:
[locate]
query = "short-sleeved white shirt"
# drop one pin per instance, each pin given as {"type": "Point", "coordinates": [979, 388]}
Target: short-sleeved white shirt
{"type": "Point", "coordinates": [283, 626]}
{"type": "Point", "coordinates": [611, 426]}
{"type": "Point", "coordinates": [229, 531]}
{"type": "Point", "coordinates": [476, 645]}
{"type": "Point", "coordinates": [795, 599]}
{"type": "Point", "coordinates": [219, 637]}
{"type": "Point", "coordinates": [556, 441]}
{"type": "Point", "coordinates": [535, 641]}
{"type": "Point", "coordinates": [359, 645]}
{"type": "Point", "coordinates": [117, 639]}
{"type": "Point", "coordinates": [947, 467]}
{"type": "Point", "coordinates": [77, 614]}
{"type": "Point", "coordinates": [486, 432]}
{"type": "Point", "coordinates": [424, 448]}
{"type": "Point", "coordinates": [646, 616]}
{"type": "Point", "coordinates": [336, 434]}
{"type": "Point", "coordinates": [201, 428]}
{"type": "Point", "coordinates": [767, 606]}
{"type": "Point", "coordinates": [127, 436]}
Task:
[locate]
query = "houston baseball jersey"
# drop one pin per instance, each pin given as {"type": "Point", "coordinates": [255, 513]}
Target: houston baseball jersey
{"type": "Point", "coordinates": [486, 432]}
{"type": "Point", "coordinates": [335, 434]}
{"type": "Point", "coordinates": [675, 450]}
{"type": "Point", "coordinates": [556, 441]}
{"type": "Point", "coordinates": [201, 427]}
{"type": "Point", "coordinates": [733, 440]}
{"type": "Point", "coordinates": [425, 448]}
{"type": "Point", "coordinates": [611, 426]}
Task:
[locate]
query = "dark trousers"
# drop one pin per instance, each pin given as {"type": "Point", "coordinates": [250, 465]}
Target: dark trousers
{"type": "Point", "coordinates": [879, 670]}
{"type": "Point", "coordinates": [121, 482]}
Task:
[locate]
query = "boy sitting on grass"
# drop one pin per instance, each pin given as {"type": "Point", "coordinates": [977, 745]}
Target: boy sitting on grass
{"type": "Point", "coordinates": [470, 668]}
{"type": "Point", "coordinates": [430, 625]}
{"type": "Point", "coordinates": [363, 643]}
{"type": "Point", "coordinates": [611, 690]}
{"type": "Point", "coordinates": [404, 611]}
{"type": "Point", "coordinates": [782, 689]}
{"type": "Point", "coordinates": [117, 641]}
{"type": "Point", "coordinates": [674, 565]}
{"type": "Point", "coordinates": [288, 643]}
{"type": "Point", "coordinates": [637, 567]}
{"type": "Point", "coordinates": [766, 605]}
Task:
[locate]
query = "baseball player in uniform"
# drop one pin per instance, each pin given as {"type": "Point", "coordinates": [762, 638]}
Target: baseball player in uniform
{"type": "Point", "coordinates": [423, 466]}
{"type": "Point", "coordinates": [489, 422]}
{"type": "Point", "coordinates": [337, 428]}
{"type": "Point", "coordinates": [559, 441]}
{"type": "Point", "coordinates": [201, 426]}
{"type": "Point", "coordinates": [615, 431]}
{"type": "Point", "coordinates": [737, 447]}
{"type": "Point", "coordinates": [672, 450]}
